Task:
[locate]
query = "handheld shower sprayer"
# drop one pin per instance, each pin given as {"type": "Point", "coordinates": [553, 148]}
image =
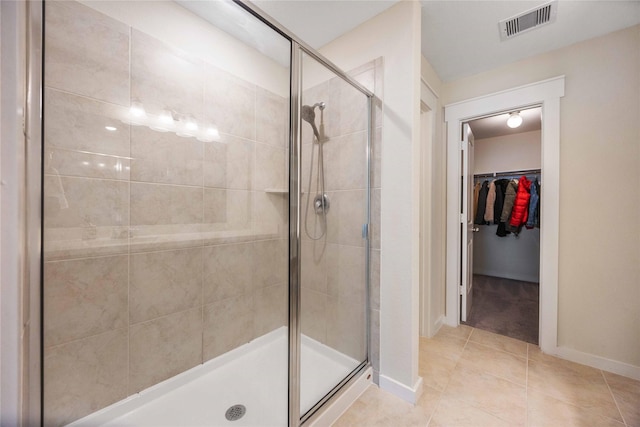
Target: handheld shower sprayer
{"type": "Point", "coordinates": [321, 200]}
{"type": "Point", "coordinates": [309, 115]}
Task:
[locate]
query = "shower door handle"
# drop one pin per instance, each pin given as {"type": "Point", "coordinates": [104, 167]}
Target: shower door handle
{"type": "Point", "coordinates": [365, 230]}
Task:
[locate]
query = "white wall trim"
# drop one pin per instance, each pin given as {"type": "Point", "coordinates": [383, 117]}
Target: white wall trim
{"type": "Point", "coordinates": [598, 362]}
{"type": "Point", "coordinates": [429, 103]}
{"type": "Point", "coordinates": [546, 93]}
{"type": "Point", "coordinates": [409, 394]}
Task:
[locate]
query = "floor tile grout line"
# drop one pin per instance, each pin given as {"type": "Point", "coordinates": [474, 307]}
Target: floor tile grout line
{"type": "Point", "coordinates": [435, 408]}
{"type": "Point", "coordinates": [473, 329]}
{"type": "Point", "coordinates": [520, 355]}
{"type": "Point", "coordinates": [577, 405]}
{"type": "Point", "coordinates": [613, 396]}
{"type": "Point", "coordinates": [449, 379]}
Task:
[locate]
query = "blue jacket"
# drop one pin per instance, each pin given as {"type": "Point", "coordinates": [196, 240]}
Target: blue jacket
{"type": "Point", "coordinates": [534, 202]}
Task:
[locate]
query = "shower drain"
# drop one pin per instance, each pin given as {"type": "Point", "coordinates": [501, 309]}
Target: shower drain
{"type": "Point", "coordinates": [235, 412]}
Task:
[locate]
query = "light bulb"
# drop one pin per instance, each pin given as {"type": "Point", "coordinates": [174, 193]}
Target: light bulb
{"type": "Point", "coordinates": [137, 110]}
{"type": "Point", "coordinates": [166, 117]}
{"type": "Point", "coordinates": [137, 115]}
{"type": "Point", "coordinates": [187, 127]}
{"type": "Point", "coordinates": [210, 135]}
{"type": "Point", "coordinates": [163, 122]}
{"type": "Point", "coordinates": [191, 125]}
{"type": "Point", "coordinates": [111, 128]}
{"type": "Point", "coordinates": [514, 120]}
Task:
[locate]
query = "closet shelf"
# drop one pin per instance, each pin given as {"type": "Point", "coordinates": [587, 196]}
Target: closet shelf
{"type": "Point", "coordinates": [508, 173]}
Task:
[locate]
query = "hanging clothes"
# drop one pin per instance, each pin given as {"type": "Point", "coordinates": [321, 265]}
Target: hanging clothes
{"type": "Point", "coordinates": [501, 188]}
{"type": "Point", "coordinates": [539, 188]}
{"type": "Point", "coordinates": [533, 205]}
{"type": "Point", "coordinates": [509, 199]}
{"type": "Point", "coordinates": [476, 193]}
{"type": "Point", "coordinates": [491, 200]}
{"type": "Point", "coordinates": [482, 204]}
{"type": "Point", "coordinates": [520, 211]}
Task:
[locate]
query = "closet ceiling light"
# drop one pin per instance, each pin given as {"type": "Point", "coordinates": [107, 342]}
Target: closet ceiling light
{"type": "Point", "coordinates": [514, 120]}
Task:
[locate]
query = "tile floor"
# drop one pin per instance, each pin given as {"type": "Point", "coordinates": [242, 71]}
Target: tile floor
{"type": "Point", "coordinates": [477, 378]}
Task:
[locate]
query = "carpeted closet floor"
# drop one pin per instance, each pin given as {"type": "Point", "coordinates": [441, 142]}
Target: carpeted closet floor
{"type": "Point", "coordinates": [506, 307]}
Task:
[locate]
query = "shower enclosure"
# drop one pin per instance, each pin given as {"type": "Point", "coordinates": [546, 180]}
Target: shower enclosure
{"type": "Point", "coordinates": [205, 227]}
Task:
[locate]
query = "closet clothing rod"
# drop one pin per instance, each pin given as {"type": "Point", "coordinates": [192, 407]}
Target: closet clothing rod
{"type": "Point", "coordinates": [497, 174]}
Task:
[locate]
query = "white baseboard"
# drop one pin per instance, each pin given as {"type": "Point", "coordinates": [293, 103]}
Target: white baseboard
{"type": "Point", "coordinates": [409, 394]}
{"type": "Point", "coordinates": [598, 362]}
{"type": "Point", "coordinates": [437, 325]}
{"type": "Point", "coordinates": [451, 321]}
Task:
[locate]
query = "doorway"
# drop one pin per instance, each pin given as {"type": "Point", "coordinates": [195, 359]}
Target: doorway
{"type": "Point", "coordinates": [502, 255]}
{"type": "Point", "coordinates": [547, 94]}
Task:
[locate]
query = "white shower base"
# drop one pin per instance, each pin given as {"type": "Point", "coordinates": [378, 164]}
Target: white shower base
{"type": "Point", "coordinates": [254, 375]}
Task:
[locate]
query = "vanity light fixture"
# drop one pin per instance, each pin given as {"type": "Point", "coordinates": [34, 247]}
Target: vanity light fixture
{"type": "Point", "coordinates": [514, 120]}
{"type": "Point", "coordinates": [111, 128]}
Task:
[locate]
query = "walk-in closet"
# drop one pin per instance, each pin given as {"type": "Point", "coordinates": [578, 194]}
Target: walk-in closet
{"type": "Point", "coordinates": [507, 183]}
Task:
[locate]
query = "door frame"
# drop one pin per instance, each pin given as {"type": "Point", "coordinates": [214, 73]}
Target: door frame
{"type": "Point", "coordinates": [467, 221]}
{"type": "Point", "coordinates": [547, 94]}
{"type": "Point", "coordinates": [428, 108]}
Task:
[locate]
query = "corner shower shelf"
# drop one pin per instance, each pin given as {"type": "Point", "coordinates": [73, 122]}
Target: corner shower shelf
{"type": "Point", "coordinates": [276, 190]}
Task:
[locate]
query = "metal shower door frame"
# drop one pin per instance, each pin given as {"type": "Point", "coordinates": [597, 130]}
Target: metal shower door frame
{"type": "Point", "coordinates": [32, 353]}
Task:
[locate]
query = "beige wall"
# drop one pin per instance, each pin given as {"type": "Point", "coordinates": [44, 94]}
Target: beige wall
{"type": "Point", "coordinates": [599, 237]}
{"type": "Point", "coordinates": [394, 35]}
{"type": "Point", "coordinates": [507, 153]}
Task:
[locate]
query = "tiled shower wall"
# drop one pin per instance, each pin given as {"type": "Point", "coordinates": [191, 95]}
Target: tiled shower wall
{"type": "Point", "coordinates": [333, 267]}
{"type": "Point", "coordinates": [161, 251]}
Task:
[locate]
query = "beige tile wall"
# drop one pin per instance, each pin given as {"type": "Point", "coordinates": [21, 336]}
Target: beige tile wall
{"type": "Point", "coordinates": [161, 251]}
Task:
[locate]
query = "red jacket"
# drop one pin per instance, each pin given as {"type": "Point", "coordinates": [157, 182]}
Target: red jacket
{"type": "Point", "coordinates": [520, 212]}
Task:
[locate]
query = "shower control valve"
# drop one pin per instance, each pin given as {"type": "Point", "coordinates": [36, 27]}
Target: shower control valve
{"type": "Point", "coordinates": [321, 203]}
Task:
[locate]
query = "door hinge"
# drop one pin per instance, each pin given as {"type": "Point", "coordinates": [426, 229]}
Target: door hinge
{"type": "Point", "coordinates": [463, 219]}
{"type": "Point", "coordinates": [463, 145]}
{"type": "Point", "coordinates": [461, 290]}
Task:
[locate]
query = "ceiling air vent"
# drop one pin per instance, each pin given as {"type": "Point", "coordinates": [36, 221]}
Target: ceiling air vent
{"type": "Point", "coordinates": [528, 20]}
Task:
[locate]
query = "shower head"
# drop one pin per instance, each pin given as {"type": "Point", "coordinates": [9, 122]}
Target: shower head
{"type": "Point", "coordinates": [308, 115]}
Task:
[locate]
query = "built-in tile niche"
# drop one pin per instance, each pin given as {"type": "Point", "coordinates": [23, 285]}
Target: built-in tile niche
{"type": "Point", "coordinates": [162, 249]}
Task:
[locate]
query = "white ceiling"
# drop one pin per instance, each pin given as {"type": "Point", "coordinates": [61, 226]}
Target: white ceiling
{"type": "Point", "coordinates": [491, 127]}
{"type": "Point", "coordinates": [317, 22]}
{"type": "Point", "coordinates": [460, 38]}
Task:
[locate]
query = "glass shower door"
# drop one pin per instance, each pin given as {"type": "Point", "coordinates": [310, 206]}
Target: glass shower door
{"type": "Point", "coordinates": [334, 244]}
